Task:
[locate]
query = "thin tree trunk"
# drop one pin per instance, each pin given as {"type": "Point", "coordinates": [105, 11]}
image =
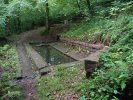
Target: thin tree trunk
{"type": "Point", "coordinates": [47, 16]}
{"type": "Point", "coordinates": [7, 32]}
{"type": "Point", "coordinates": [89, 6]}
{"type": "Point", "coordinates": [19, 24]}
{"type": "Point", "coordinates": [7, 29]}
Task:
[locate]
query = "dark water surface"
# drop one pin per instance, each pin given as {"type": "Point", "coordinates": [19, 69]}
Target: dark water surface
{"type": "Point", "coordinates": [51, 55]}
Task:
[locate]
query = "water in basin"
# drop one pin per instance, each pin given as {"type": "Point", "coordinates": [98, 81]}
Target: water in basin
{"type": "Point", "coordinates": [52, 56]}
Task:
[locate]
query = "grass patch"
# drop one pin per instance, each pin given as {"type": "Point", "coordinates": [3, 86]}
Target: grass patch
{"type": "Point", "coordinates": [62, 84]}
{"type": "Point", "coordinates": [9, 65]}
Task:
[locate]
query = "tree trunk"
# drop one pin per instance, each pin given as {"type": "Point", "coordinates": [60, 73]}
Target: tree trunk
{"type": "Point", "coordinates": [7, 28]}
{"type": "Point", "coordinates": [19, 24]}
{"type": "Point", "coordinates": [47, 16]}
{"type": "Point", "coordinates": [7, 31]}
{"type": "Point", "coordinates": [89, 6]}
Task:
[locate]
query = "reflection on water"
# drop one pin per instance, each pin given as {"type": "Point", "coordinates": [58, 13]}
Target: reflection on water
{"type": "Point", "coordinates": [51, 55]}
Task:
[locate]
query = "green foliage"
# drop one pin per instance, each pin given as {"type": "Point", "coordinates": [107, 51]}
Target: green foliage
{"type": "Point", "coordinates": [9, 65]}
{"type": "Point", "coordinates": [3, 14]}
{"type": "Point", "coordinates": [61, 9]}
{"type": "Point", "coordinates": [86, 31]}
{"type": "Point", "coordinates": [104, 29]}
{"type": "Point", "coordinates": [22, 15]}
{"type": "Point", "coordinates": [116, 69]}
{"type": "Point", "coordinates": [27, 14]}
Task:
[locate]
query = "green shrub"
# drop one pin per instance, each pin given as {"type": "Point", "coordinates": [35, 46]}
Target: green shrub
{"type": "Point", "coordinates": [110, 79]}
{"type": "Point", "coordinates": [9, 65]}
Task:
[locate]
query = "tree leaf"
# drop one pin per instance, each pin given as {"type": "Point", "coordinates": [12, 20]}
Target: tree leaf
{"type": "Point", "coordinates": [123, 85]}
{"type": "Point", "coordinates": [115, 91]}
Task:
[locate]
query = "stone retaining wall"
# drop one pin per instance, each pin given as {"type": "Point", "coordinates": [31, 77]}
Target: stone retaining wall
{"type": "Point", "coordinates": [92, 47]}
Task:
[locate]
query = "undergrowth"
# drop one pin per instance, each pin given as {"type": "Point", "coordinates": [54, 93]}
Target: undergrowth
{"type": "Point", "coordinates": [104, 29]}
{"type": "Point", "coordinates": [9, 66]}
{"type": "Point", "coordinates": [108, 82]}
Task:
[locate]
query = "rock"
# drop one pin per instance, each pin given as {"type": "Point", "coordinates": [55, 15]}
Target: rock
{"type": "Point", "coordinates": [92, 61]}
{"type": "Point", "coordinates": [45, 71]}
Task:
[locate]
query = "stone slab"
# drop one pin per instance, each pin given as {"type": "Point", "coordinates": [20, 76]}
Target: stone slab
{"type": "Point", "coordinates": [45, 71]}
{"type": "Point", "coordinates": [71, 64]}
{"type": "Point", "coordinates": [67, 51]}
{"type": "Point", "coordinates": [37, 58]}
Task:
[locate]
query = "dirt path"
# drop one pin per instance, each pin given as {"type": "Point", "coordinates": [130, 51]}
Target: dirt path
{"type": "Point", "coordinates": [28, 78]}
{"type": "Point", "coordinates": [29, 88]}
